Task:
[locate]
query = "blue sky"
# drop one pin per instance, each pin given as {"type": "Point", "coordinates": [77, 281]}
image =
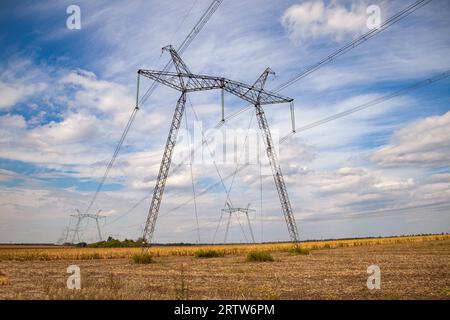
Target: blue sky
{"type": "Point", "coordinates": [65, 96]}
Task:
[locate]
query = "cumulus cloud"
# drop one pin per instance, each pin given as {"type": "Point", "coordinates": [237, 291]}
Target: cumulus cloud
{"type": "Point", "coordinates": [314, 19]}
{"type": "Point", "coordinates": [356, 181]}
{"type": "Point", "coordinates": [19, 80]}
{"type": "Point", "coordinates": [361, 192]}
{"type": "Point", "coordinates": [12, 93]}
{"type": "Point", "coordinates": [110, 98]}
{"type": "Point", "coordinates": [76, 127]}
{"type": "Point", "coordinates": [425, 143]}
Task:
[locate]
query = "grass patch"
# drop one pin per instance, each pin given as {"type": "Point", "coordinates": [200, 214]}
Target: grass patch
{"type": "Point", "coordinates": [182, 291]}
{"type": "Point", "coordinates": [299, 250]}
{"type": "Point", "coordinates": [143, 258]}
{"type": "Point", "coordinates": [259, 256]}
{"type": "Point", "coordinates": [208, 253]}
{"type": "Point", "coordinates": [446, 292]}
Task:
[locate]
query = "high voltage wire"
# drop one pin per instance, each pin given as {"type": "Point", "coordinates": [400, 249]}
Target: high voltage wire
{"type": "Point", "coordinates": [206, 190]}
{"type": "Point", "coordinates": [438, 205]}
{"type": "Point", "coordinates": [233, 178]}
{"type": "Point", "coordinates": [369, 104]}
{"type": "Point", "coordinates": [368, 35]}
{"type": "Point", "coordinates": [137, 204]}
{"type": "Point", "coordinates": [186, 42]}
{"type": "Point", "coordinates": [192, 176]}
{"type": "Point", "coordinates": [365, 214]}
{"type": "Point", "coordinates": [331, 57]}
{"type": "Point", "coordinates": [389, 22]}
{"type": "Point", "coordinates": [370, 214]}
{"type": "Point", "coordinates": [207, 146]}
{"type": "Point", "coordinates": [415, 86]}
{"type": "Point", "coordinates": [184, 45]}
{"type": "Point", "coordinates": [111, 162]}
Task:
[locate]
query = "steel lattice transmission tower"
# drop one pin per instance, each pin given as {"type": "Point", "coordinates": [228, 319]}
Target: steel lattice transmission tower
{"type": "Point", "coordinates": [80, 217]}
{"type": "Point", "coordinates": [185, 81]}
{"type": "Point", "coordinates": [231, 210]}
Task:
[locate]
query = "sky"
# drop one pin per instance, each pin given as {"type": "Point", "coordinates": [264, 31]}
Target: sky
{"type": "Point", "coordinates": [66, 95]}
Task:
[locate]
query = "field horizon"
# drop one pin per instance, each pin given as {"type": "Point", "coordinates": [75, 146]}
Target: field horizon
{"type": "Point", "coordinates": [49, 244]}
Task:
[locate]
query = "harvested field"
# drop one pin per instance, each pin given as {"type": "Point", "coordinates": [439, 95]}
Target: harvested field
{"type": "Point", "coordinates": [409, 270]}
{"type": "Point", "coordinates": [23, 253]}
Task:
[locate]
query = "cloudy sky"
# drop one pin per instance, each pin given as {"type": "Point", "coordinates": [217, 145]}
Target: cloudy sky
{"type": "Point", "coordinates": [66, 95]}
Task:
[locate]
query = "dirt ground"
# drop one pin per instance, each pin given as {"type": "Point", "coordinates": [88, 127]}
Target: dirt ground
{"type": "Point", "coordinates": [408, 271]}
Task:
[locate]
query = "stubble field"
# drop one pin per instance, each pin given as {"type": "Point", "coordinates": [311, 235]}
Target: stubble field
{"type": "Point", "coordinates": [411, 268]}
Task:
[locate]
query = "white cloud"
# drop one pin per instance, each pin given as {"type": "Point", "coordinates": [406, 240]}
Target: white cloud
{"type": "Point", "coordinates": [19, 81]}
{"type": "Point", "coordinates": [425, 143]}
{"type": "Point", "coordinates": [113, 99]}
{"type": "Point", "coordinates": [6, 175]}
{"type": "Point", "coordinates": [76, 127]}
{"type": "Point", "coordinates": [10, 122]}
{"type": "Point", "coordinates": [314, 19]}
{"type": "Point", "coordinates": [12, 93]}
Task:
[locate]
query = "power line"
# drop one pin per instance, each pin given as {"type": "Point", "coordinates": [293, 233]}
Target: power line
{"type": "Point", "coordinates": [374, 213]}
{"type": "Point", "coordinates": [369, 104]}
{"type": "Point", "coordinates": [232, 180]}
{"type": "Point", "coordinates": [137, 204]}
{"type": "Point", "coordinates": [192, 180]}
{"type": "Point", "coordinates": [353, 44]}
{"type": "Point", "coordinates": [184, 45]}
{"type": "Point", "coordinates": [191, 153]}
{"type": "Point", "coordinates": [113, 159]}
{"type": "Point", "coordinates": [183, 20]}
{"type": "Point", "coordinates": [405, 12]}
{"type": "Point", "coordinates": [331, 57]}
{"type": "Point", "coordinates": [368, 35]}
{"type": "Point", "coordinates": [333, 117]}
{"type": "Point", "coordinates": [204, 191]}
{"type": "Point", "coordinates": [186, 42]}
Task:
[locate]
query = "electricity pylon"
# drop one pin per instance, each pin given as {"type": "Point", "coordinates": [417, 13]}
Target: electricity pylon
{"type": "Point", "coordinates": [185, 81]}
{"type": "Point", "coordinates": [80, 217]}
{"type": "Point", "coordinates": [230, 210]}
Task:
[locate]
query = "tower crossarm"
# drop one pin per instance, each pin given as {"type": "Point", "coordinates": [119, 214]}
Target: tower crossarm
{"type": "Point", "coordinates": [190, 82]}
{"type": "Point", "coordinates": [232, 210]}
{"type": "Point", "coordinates": [253, 94]}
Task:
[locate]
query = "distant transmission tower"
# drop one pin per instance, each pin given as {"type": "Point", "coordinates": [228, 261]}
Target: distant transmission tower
{"type": "Point", "coordinates": [80, 217]}
{"type": "Point", "coordinates": [230, 210]}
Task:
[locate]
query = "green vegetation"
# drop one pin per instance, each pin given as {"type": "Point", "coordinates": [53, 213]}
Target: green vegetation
{"type": "Point", "coordinates": [208, 253]}
{"type": "Point", "coordinates": [299, 250]}
{"type": "Point", "coordinates": [259, 256]}
{"type": "Point", "coordinates": [114, 243]}
{"type": "Point", "coordinates": [143, 258]}
{"type": "Point", "coordinates": [182, 291]}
